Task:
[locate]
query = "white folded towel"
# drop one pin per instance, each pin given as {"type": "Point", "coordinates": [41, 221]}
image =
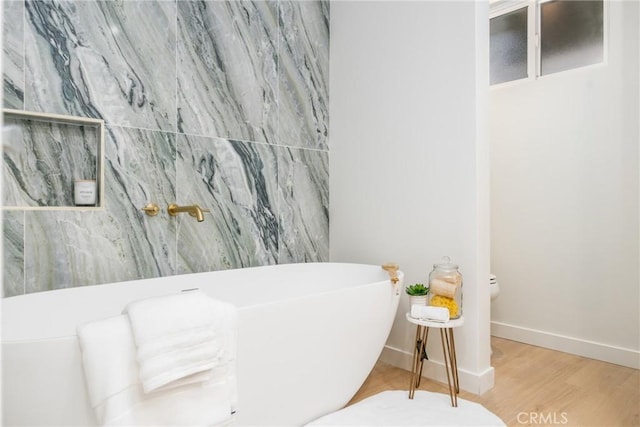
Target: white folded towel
{"type": "Point", "coordinates": [427, 312]}
{"type": "Point", "coordinates": [108, 357]}
{"type": "Point", "coordinates": [116, 393]}
{"type": "Point", "coordinates": [176, 336]}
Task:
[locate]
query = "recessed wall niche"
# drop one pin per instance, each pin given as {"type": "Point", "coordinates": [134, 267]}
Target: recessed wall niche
{"type": "Point", "coordinates": [51, 161]}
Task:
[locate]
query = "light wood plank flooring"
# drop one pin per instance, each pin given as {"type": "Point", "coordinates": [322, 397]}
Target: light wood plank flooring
{"type": "Point", "coordinates": [535, 386]}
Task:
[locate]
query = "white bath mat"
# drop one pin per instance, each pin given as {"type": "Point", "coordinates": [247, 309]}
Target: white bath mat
{"type": "Point", "coordinates": [394, 408]}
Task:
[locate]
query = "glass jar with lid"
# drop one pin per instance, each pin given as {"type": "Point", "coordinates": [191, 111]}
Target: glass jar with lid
{"type": "Point", "coordinates": [445, 287]}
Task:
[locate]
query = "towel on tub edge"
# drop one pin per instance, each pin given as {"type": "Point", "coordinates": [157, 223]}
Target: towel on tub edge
{"type": "Point", "coordinates": [116, 392]}
{"type": "Point", "coordinates": [176, 336]}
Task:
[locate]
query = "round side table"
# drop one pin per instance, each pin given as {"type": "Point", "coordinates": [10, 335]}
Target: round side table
{"type": "Point", "coordinates": [448, 350]}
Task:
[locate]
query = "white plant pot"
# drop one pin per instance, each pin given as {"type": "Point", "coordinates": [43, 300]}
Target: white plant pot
{"type": "Point", "coordinates": [417, 300]}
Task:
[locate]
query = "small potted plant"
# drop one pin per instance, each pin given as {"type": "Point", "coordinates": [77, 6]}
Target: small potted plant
{"type": "Point", "coordinates": [417, 294]}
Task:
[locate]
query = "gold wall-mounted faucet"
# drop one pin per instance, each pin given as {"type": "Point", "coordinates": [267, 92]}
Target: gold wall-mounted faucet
{"type": "Point", "coordinates": [194, 210]}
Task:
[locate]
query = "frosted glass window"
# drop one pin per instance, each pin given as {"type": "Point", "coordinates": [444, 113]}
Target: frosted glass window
{"type": "Point", "coordinates": [571, 35]}
{"type": "Point", "coordinates": [508, 46]}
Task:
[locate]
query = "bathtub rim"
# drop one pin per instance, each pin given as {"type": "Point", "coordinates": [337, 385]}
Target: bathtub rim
{"type": "Point", "coordinates": [20, 311]}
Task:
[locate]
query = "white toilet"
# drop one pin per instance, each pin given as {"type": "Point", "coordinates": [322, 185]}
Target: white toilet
{"type": "Point", "coordinates": [494, 287]}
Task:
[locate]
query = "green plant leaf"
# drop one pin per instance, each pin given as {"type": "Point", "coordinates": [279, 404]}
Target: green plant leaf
{"type": "Point", "coordinates": [417, 289]}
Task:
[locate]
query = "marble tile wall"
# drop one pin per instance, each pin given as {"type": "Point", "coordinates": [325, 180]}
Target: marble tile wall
{"type": "Point", "coordinates": [43, 159]}
{"type": "Point", "coordinates": [219, 103]}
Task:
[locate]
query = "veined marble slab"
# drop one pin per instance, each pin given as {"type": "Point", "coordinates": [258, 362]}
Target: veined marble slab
{"type": "Point", "coordinates": [303, 95]}
{"type": "Point", "coordinates": [79, 248]}
{"type": "Point", "coordinates": [229, 72]}
{"type": "Point", "coordinates": [227, 69]}
{"type": "Point", "coordinates": [141, 166]}
{"type": "Point", "coordinates": [71, 248]}
{"type": "Point", "coordinates": [141, 169]}
{"type": "Point", "coordinates": [42, 160]}
{"type": "Point", "coordinates": [13, 253]}
{"type": "Point", "coordinates": [13, 54]}
{"type": "Point", "coordinates": [106, 59]}
{"type": "Point", "coordinates": [236, 181]}
{"type": "Point", "coordinates": [303, 179]}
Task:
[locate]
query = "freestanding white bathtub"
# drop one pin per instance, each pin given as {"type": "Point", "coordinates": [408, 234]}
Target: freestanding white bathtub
{"type": "Point", "coordinates": [308, 336]}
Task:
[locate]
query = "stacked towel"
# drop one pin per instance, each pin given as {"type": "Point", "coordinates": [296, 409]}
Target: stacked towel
{"type": "Point", "coordinates": [425, 312]}
{"type": "Point", "coordinates": [176, 336]}
{"type": "Point", "coordinates": [189, 372]}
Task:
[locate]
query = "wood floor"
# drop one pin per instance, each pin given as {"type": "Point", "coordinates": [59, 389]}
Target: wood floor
{"type": "Point", "coordinates": [535, 386]}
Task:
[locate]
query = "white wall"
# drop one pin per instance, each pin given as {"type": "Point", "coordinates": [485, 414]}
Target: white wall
{"type": "Point", "coordinates": [564, 204]}
{"type": "Point", "coordinates": [409, 156]}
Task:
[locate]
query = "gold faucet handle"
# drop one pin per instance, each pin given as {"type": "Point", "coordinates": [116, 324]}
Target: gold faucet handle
{"type": "Point", "coordinates": [151, 209]}
{"type": "Point", "coordinates": [392, 269]}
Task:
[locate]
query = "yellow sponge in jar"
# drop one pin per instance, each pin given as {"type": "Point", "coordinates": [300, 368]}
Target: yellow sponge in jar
{"type": "Point", "coordinates": [442, 301]}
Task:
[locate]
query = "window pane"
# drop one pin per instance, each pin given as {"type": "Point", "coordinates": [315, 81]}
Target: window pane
{"type": "Point", "coordinates": [571, 35]}
{"type": "Point", "coordinates": [508, 46]}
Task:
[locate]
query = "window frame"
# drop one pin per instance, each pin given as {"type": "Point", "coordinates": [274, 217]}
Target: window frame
{"type": "Point", "coordinates": [534, 13]}
{"type": "Point", "coordinates": [605, 38]}
{"type": "Point", "coordinates": [502, 7]}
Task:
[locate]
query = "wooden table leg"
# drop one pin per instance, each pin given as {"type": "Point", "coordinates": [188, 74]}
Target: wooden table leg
{"type": "Point", "coordinates": [450, 361]}
{"type": "Point", "coordinates": [454, 360]}
{"type": "Point", "coordinates": [422, 355]}
{"type": "Point", "coordinates": [448, 365]}
{"type": "Point", "coordinates": [419, 355]}
{"type": "Point", "coordinates": [448, 351]}
{"type": "Point", "coordinates": [414, 364]}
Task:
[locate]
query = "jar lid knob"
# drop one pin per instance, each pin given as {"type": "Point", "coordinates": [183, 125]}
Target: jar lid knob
{"type": "Point", "coordinates": [446, 264]}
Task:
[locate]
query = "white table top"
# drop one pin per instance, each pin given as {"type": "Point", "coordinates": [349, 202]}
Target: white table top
{"type": "Point", "coordinates": [431, 324]}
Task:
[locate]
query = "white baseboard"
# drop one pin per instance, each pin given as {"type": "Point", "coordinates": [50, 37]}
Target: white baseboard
{"type": "Point", "coordinates": [469, 381]}
{"type": "Point", "coordinates": [590, 349]}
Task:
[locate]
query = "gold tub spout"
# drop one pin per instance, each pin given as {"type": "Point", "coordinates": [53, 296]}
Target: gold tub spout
{"type": "Point", "coordinates": [392, 269]}
{"type": "Point", "coordinates": [193, 210]}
